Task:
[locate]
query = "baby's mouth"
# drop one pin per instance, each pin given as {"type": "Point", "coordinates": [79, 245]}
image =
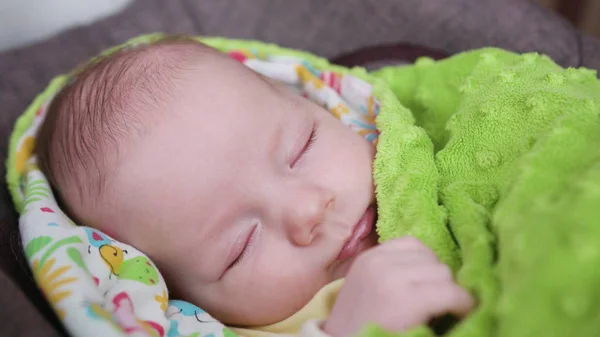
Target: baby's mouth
{"type": "Point", "coordinates": [361, 230]}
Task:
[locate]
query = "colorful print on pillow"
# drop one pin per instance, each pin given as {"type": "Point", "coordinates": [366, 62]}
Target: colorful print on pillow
{"type": "Point", "coordinates": [101, 287]}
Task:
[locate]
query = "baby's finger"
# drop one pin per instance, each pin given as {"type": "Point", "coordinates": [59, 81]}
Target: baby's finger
{"type": "Point", "coordinates": [446, 298]}
{"type": "Point", "coordinates": [411, 260]}
{"type": "Point", "coordinates": [427, 273]}
{"type": "Point", "coordinates": [405, 244]}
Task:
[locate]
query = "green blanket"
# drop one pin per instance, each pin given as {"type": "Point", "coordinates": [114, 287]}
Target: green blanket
{"type": "Point", "coordinates": [498, 170]}
{"type": "Point", "coordinates": [491, 159]}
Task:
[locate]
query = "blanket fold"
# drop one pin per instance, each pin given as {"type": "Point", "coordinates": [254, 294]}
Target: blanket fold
{"type": "Point", "coordinates": [503, 162]}
{"type": "Point", "coordinates": [489, 157]}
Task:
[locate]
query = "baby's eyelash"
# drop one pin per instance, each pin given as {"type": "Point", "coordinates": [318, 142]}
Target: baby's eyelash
{"type": "Point", "coordinates": [238, 259]}
{"type": "Point", "coordinates": [309, 144]}
{"type": "Point", "coordinates": [246, 249]}
{"type": "Point", "coordinates": [312, 139]}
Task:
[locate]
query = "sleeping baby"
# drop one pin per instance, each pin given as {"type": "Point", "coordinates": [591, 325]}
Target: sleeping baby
{"type": "Point", "coordinates": [281, 190]}
{"type": "Point", "coordinates": [386, 201]}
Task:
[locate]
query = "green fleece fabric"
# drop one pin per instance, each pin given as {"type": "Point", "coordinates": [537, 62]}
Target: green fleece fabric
{"type": "Point", "coordinates": [502, 174]}
{"type": "Point", "coordinates": [493, 160]}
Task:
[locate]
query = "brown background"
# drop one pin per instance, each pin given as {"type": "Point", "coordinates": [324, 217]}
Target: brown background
{"type": "Point", "coordinates": [585, 14]}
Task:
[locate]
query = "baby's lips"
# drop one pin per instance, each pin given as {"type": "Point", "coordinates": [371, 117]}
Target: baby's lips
{"type": "Point", "coordinates": [362, 229]}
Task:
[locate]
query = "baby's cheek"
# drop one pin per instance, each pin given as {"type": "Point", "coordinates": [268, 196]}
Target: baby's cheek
{"type": "Point", "coordinates": [341, 270]}
{"type": "Point", "coordinates": [298, 283]}
{"type": "Point", "coordinates": [277, 293]}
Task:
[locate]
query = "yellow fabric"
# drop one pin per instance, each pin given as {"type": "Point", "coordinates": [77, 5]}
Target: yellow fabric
{"type": "Point", "coordinates": [318, 308]}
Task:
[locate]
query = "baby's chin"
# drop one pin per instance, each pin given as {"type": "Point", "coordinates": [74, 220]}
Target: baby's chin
{"type": "Point", "coordinates": [341, 269]}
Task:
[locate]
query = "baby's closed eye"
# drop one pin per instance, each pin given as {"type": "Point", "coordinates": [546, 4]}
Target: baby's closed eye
{"type": "Point", "coordinates": [310, 142]}
{"type": "Point", "coordinates": [241, 248]}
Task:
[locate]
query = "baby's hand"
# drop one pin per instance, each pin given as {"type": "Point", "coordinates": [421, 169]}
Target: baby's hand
{"type": "Point", "coordinates": [399, 284]}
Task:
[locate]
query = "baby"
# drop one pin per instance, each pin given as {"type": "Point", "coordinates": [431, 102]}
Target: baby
{"type": "Point", "coordinates": [282, 190]}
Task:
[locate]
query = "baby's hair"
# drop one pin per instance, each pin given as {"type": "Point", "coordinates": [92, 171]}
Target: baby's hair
{"type": "Point", "coordinates": [78, 144]}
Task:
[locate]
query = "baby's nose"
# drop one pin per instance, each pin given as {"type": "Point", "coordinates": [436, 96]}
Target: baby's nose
{"type": "Point", "coordinates": [306, 211]}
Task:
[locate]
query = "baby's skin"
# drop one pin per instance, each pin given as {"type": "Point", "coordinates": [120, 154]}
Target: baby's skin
{"type": "Point", "coordinates": [250, 199]}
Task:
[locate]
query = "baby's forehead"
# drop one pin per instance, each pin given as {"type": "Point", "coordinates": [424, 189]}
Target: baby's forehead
{"type": "Point", "coordinates": [103, 106]}
{"type": "Point", "coordinates": [137, 82]}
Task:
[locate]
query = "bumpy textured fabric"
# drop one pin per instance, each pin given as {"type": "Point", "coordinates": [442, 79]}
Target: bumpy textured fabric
{"type": "Point", "coordinates": [506, 155]}
{"type": "Point", "coordinates": [98, 286]}
{"type": "Point", "coordinates": [491, 159]}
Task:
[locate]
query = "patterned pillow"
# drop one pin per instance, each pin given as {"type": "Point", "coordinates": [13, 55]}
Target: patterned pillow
{"type": "Point", "coordinates": [101, 287]}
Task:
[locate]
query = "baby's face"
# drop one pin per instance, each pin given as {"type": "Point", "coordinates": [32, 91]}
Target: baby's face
{"type": "Point", "coordinates": [244, 194]}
